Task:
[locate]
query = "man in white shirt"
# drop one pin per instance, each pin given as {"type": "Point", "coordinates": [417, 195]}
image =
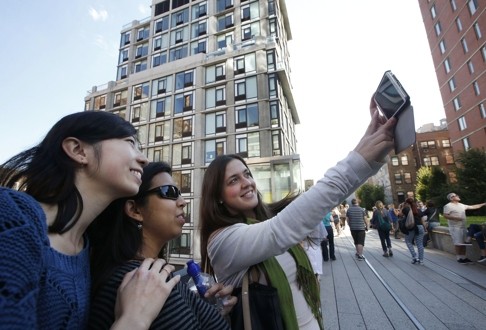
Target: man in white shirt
{"type": "Point", "coordinates": [455, 213]}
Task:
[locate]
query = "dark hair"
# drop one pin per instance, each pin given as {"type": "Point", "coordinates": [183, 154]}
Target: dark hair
{"type": "Point", "coordinates": [413, 206]}
{"type": "Point", "coordinates": [430, 203]}
{"type": "Point", "coordinates": [114, 236]}
{"type": "Point", "coordinates": [47, 173]}
{"type": "Point", "coordinates": [214, 215]}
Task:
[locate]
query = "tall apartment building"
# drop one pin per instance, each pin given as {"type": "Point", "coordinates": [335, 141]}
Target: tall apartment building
{"type": "Point", "coordinates": [456, 30]}
{"type": "Point", "coordinates": [203, 78]}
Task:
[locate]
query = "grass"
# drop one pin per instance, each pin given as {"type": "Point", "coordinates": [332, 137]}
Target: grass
{"type": "Point", "coordinates": [470, 220]}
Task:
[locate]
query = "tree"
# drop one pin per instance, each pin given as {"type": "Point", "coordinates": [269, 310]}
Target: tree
{"type": "Point", "coordinates": [471, 176]}
{"type": "Point", "coordinates": [369, 194]}
{"type": "Point", "coordinates": [432, 185]}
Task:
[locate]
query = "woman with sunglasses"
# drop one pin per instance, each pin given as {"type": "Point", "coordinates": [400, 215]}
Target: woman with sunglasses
{"type": "Point", "coordinates": [132, 229]}
{"type": "Point", "coordinates": [87, 160]}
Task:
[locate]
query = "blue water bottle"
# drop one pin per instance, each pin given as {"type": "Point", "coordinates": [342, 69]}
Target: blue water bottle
{"type": "Point", "coordinates": [201, 282]}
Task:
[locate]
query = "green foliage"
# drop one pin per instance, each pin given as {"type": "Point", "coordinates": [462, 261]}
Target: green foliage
{"type": "Point", "coordinates": [369, 194]}
{"type": "Point", "coordinates": [432, 185]}
{"type": "Point", "coordinates": [471, 176]}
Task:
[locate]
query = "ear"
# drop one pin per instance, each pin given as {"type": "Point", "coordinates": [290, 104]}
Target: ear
{"type": "Point", "coordinates": [131, 209]}
{"type": "Point", "coordinates": [75, 149]}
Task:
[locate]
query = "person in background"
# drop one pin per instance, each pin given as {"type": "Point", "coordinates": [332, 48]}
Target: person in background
{"type": "Point", "coordinates": [455, 213]}
{"type": "Point", "coordinates": [327, 245]}
{"type": "Point", "coordinates": [86, 161]}
{"type": "Point", "coordinates": [312, 246]}
{"type": "Point", "coordinates": [342, 215]}
{"type": "Point", "coordinates": [415, 234]}
{"type": "Point", "coordinates": [381, 214]}
{"type": "Point", "coordinates": [393, 216]}
{"type": "Point", "coordinates": [479, 234]}
{"type": "Point", "coordinates": [432, 220]}
{"type": "Point", "coordinates": [239, 230]}
{"type": "Point", "coordinates": [335, 219]}
{"type": "Point", "coordinates": [356, 217]}
{"type": "Point", "coordinates": [145, 223]}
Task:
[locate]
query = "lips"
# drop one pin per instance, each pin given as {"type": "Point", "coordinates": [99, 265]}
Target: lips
{"type": "Point", "coordinates": [181, 219]}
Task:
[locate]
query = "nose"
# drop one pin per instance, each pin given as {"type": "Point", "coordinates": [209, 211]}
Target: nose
{"type": "Point", "coordinates": [142, 159]}
{"type": "Point", "coordinates": [181, 202]}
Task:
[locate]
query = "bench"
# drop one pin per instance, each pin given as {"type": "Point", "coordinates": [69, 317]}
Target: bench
{"type": "Point", "coordinates": [441, 240]}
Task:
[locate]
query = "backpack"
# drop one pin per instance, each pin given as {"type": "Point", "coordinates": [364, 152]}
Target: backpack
{"type": "Point", "coordinates": [383, 224]}
{"type": "Point", "coordinates": [410, 220]}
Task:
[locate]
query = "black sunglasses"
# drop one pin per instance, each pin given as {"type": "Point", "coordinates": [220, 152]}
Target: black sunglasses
{"type": "Point", "coordinates": [166, 191]}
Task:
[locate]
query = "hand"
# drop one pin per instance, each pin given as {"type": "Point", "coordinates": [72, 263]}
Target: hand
{"type": "Point", "coordinates": [142, 294]}
{"type": "Point", "coordinates": [377, 141]}
{"type": "Point", "coordinates": [218, 290]}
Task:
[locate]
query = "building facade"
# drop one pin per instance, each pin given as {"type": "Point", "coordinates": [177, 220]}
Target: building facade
{"type": "Point", "coordinates": [432, 148]}
{"type": "Point", "coordinates": [456, 31]}
{"type": "Point", "coordinates": [203, 78]}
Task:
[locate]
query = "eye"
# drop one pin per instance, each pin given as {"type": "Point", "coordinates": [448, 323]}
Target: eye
{"type": "Point", "coordinates": [131, 140]}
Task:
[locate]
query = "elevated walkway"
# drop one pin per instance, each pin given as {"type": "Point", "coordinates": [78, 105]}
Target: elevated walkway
{"type": "Point", "coordinates": [391, 293]}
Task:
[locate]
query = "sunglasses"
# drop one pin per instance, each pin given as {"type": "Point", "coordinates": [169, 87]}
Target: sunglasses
{"type": "Point", "coordinates": [167, 192]}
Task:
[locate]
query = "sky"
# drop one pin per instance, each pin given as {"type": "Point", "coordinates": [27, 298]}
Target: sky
{"type": "Point", "coordinates": [54, 51]}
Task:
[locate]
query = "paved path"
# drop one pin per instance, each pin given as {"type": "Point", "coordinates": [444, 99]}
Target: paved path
{"type": "Point", "coordinates": [391, 293]}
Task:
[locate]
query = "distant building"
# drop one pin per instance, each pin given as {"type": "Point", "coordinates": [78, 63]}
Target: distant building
{"type": "Point", "coordinates": [204, 78]}
{"type": "Point", "coordinates": [432, 148]}
{"type": "Point", "coordinates": [456, 30]}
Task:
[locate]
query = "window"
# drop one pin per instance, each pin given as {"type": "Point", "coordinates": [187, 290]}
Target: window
{"type": "Point", "coordinates": [398, 178]}
{"type": "Point", "coordinates": [140, 66]}
{"type": "Point", "coordinates": [447, 65]}
{"type": "Point", "coordinates": [249, 12]}
{"type": "Point", "coordinates": [181, 246]}
{"type": "Point", "coordinates": [470, 66]}
{"type": "Point", "coordinates": [433, 14]}
{"type": "Point", "coordinates": [477, 30]}
{"type": "Point", "coordinates": [140, 91]}
{"type": "Point", "coordinates": [183, 180]}
{"type": "Point", "coordinates": [143, 33]}
{"type": "Point", "coordinates": [453, 5]}
{"type": "Point", "coordinates": [248, 145]}
{"type": "Point", "coordinates": [215, 97]}
{"type": "Point", "coordinates": [161, 24]}
{"type": "Point", "coordinates": [394, 161]}
{"type": "Point", "coordinates": [125, 39]}
{"type": "Point", "coordinates": [199, 10]}
{"type": "Point", "coordinates": [161, 86]}
{"type": "Point", "coordinates": [222, 5]}
{"type": "Point", "coordinates": [452, 84]}
{"type": "Point", "coordinates": [141, 50]}
{"type": "Point", "coordinates": [434, 160]}
{"type": "Point", "coordinates": [464, 45]}
{"type": "Point", "coordinates": [100, 102]}
{"type": "Point", "coordinates": [245, 13]}
{"type": "Point", "coordinates": [245, 89]}
{"type": "Point", "coordinates": [466, 144]}
{"type": "Point", "coordinates": [250, 30]}
{"type": "Point", "coordinates": [120, 98]}
{"type": "Point", "coordinates": [457, 103]}
{"type": "Point", "coordinates": [198, 47]}
{"type": "Point", "coordinates": [459, 24]}
{"type": "Point", "coordinates": [449, 158]}
{"type": "Point", "coordinates": [184, 79]}
{"type": "Point", "coordinates": [427, 144]}
{"type": "Point", "coordinates": [182, 127]}
{"type": "Point", "coordinates": [161, 42]}
{"type": "Point", "coordinates": [159, 59]}
{"type": "Point", "coordinates": [438, 28]}
{"type": "Point", "coordinates": [483, 52]}
{"type": "Point", "coordinates": [276, 143]}
{"type": "Point", "coordinates": [427, 161]}
{"type": "Point", "coordinates": [442, 46]}
{"type": "Point", "coordinates": [477, 91]}
{"type": "Point", "coordinates": [160, 108]}
{"type": "Point", "coordinates": [159, 131]}
{"type": "Point", "coordinates": [473, 6]}
{"type": "Point", "coordinates": [225, 22]}
{"type": "Point", "coordinates": [215, 73]}
{"type": "Point", "coordinates": [224, 40]}
{"type": "Point", "coordinates": [123, 55]}
{"type": "Point", "coordinates": [271, 60]}
{"type": "Point", "coordinates": [446, 143]}
{"type": "Point", "coordinates": [215, 123]}
{"type": "Point", "coordinates": [158, 154]}
{"type": "Point", "coordinates": [462, 123]}
{"type": "Point", "coordinates": [272, 85]}
{"type": "Point", "coordinates": [214, 148]}
{"type": "Point", "coordinates": [139, 112]}
{"type": "Point", "coordinates": [199, 29]}
{"type": "Point", "coordinates": [246, 116]}
{"type": "Point", "coordinates": [183, 102]}
{"type": "Point", "coordinates": [122, 72]}
{"type": "Point", "coordinates": [180, 17]}
{"type": "Point", "coordinates": [182, 154]}
{"type": "Point", "coordinates": [245, 64]}
{"type": "Point", "coordinates": [404, 159]}
{"type": "Point", "coordinates": [482, 110]}
{"type": "Point", "coordinates": [178, 53]}
{"type": "Point", "coordinates": [274, 114]}
{"type": "Point", "coordinates": [407, 177]}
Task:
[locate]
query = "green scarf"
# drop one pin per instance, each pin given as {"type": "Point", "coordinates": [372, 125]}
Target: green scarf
{"type": "Point", "coordinates": [306, 280]}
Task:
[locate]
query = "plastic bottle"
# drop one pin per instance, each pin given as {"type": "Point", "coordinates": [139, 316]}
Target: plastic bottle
{"type": "Point", "coordinates": [201, 280]}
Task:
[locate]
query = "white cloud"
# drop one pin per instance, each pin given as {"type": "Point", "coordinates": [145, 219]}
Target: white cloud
{"type": "Point", "coordinates": [144, 9]}
{"type": "Point", "coordinates": [98, 15]}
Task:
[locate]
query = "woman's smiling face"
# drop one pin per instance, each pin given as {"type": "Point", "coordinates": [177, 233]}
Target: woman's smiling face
{"type": "Point", "coordinates": [239, 193]}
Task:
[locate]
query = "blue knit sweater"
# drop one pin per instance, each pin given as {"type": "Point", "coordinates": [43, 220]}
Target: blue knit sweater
{"type": "Point", "coordinates": [40, 288]}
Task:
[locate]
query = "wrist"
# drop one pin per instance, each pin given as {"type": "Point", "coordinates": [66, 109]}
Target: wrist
{"type": "Point", "coordinates": [127, 322]}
